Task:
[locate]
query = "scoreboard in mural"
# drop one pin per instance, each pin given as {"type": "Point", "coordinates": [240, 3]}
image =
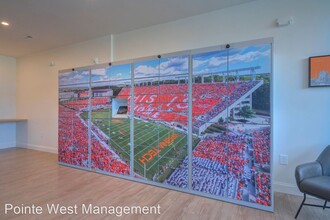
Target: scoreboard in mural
{"type": "Point", "coordinates": [133, 120]}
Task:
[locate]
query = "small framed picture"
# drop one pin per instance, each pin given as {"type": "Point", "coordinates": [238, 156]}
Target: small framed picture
{"type": "Point", "coordinates": [319, 71]}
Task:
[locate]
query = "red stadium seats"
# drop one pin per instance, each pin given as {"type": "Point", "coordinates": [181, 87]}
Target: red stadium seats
{"type": "Point", "coordinates": [223, 165]}
{"type": "Point", "coordinates": [261, 144]}
{"type": "Point", "coordinates": [82, 104]}
{"type": "Point", "coordinates": [263, 188]}
{"type": "Point", "coordinates": [169, 102]}
{"type": "Point", "coordinates": [73, 143]}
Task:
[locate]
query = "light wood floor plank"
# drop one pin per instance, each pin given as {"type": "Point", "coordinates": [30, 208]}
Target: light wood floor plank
{"type": "Point", "coordinates": [32, 177]}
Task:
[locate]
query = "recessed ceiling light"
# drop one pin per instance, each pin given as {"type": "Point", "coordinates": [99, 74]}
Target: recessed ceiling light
{"type": "Point", "coordinates": [5, 23]}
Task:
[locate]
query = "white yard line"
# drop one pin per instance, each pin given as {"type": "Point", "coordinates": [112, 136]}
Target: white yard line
{"type": "Point", "coordinates": [152, 143]}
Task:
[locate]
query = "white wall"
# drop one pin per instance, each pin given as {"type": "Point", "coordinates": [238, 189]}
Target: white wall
{"type": "Point", "coordinates": [301, 114]}
{"type": "Point", "coordinates": [37, 89]}
{"type": "Point", "coordinates": [7, 100]}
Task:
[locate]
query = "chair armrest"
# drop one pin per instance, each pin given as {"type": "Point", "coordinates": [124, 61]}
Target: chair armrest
{"type": "Point", "coordinates": [307, 170]}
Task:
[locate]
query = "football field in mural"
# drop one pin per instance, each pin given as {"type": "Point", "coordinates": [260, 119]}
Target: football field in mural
{"type": "Point", "coordinates": [156, 146]}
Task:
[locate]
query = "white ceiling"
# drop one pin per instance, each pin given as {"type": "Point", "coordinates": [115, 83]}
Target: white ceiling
{"type": "Point", "coordinates": [54, 23]}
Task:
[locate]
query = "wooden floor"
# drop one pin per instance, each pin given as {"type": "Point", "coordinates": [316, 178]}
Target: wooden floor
{"type": "Point", "coordinates": [31, 177]}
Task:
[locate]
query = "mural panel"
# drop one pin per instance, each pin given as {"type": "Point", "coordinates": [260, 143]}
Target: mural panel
{"type": "Point", "coordinates": [73, 101]}
{"type": "Point", "coordinates": [231, 122]}
{"type": "Point", "coordinates": [110, 122]}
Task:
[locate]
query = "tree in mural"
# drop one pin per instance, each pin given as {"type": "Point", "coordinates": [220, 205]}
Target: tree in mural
{"type": "Point", "coordinates": [246, 112]}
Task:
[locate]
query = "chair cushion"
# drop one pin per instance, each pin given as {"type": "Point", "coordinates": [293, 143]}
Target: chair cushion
{"type": "Point", "coordinates": [317, 186]}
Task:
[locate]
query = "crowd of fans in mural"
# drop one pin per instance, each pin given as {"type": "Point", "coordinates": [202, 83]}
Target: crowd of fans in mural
{"type": "Point", "coordinates": [73, 145]}
{"type": "Point", "coordinates": [225, 166]}
{"type": "Point", "coordinates": [233, 92]}
{"type": "Point", "coordinates": [73, 138]}
{"type": "Point", "coordinates": [263, 190]}
{"type": "Point", "coordinates": [103, 159]}
{"type": "Point", "coordinates": [82, 104]}
{"type": "Point", "coordinates": [221, 163]}
{"type": "Point", "coordinates": [169, 102]}
{"type": "Point", "coordinates": [226, 150]}
{"type": "Point", "coordinates": [261, 146]}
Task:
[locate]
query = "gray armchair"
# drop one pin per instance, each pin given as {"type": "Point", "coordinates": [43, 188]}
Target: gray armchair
{"type": "Point", "coordinates": [314, 179]}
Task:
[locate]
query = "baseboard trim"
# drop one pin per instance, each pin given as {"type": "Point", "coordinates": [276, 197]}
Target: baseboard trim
{"type": "Point", "coordinates": [39, 148]}
{"type": "Point", "coordinates": [286, 188]}
{"type": "Point", "coordinates": [5, 145]}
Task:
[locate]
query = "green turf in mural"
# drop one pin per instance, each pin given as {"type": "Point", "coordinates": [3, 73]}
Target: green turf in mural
{"type": "Point", "coordinates": [158, 149]}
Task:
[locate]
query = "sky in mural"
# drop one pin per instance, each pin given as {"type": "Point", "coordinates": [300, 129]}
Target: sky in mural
{"type": "Point", "coordinates": [210, 62]}
{"type": "Point", "coordinates": [112, 73]}
{"type": "Point", "coordinates": [237, 58]}
{"type": "Point", "coordinates": [74, 77]}
{"type": "Point", "coordinates": [161, 67]}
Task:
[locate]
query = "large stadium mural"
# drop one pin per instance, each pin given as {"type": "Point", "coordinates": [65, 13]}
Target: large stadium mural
{"type": "Point", "coordinates": [133, 120]}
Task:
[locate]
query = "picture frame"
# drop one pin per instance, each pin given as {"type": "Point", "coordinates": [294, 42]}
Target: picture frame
{"type": "Point", "coordinates": [319, 71]}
